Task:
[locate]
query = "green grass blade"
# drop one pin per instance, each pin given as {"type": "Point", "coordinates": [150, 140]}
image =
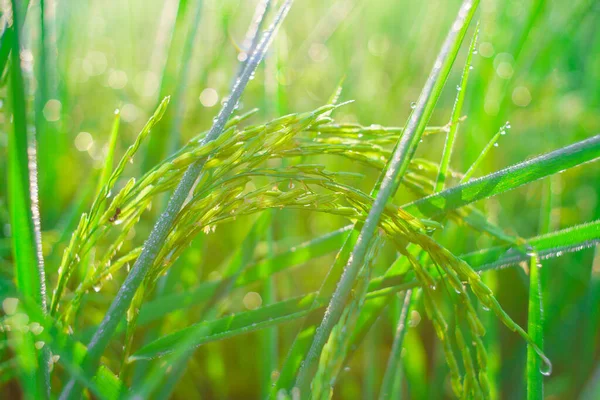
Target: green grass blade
{"type": "Point", "coordinates": [535, 329]}
{"type": "Point", "coordinates": [66, 351]}
{"type": "Point", "coordinates": [6, 41]}
{"type": "Point", "coordinates": [506, 179]}
{"type": "Point", "coordinates": [5, 45]}
{"type": "Point", "coordinates": [394, 361]}
{"type": "Point", "coordinates": [369, 387]}
{"type": "Point", "coordinates": [454, 120]}
{"type": "Point", "coordinates": [549, 245]}
{"type": "Point", "coordinates": [230, 326]}
{"type": "Point", "coordinates": [22, 180]}
{"type": "Point", "coordinates": [253, 34]}
{"type": "Point", "coordinates": [25, 220]}
{"type": "Point", "coordinates": [492, 143]}
{"type": "Point", "coordinates": [269, 339]}
{"type": "Point", "coordinates": [179, 108]}
{"type": "Point", "coordinates": [394, 173]}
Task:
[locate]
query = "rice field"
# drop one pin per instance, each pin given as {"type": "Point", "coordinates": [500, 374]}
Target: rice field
{"type": "Point", "coordinates": [239, 199]}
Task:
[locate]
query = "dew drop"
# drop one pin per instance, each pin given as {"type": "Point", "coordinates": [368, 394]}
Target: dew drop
{"type": "Point", "coordinates": [529, 251]}
{"type": "Point", "coordinates": [458, 88]}
{"type": "Point", "coordinates": [495, 144]}
{"type": "Point", "coordinates": [413, 105]}
{"type": "Point", "coordinates": [470, 67]}
{"type": "Point", "coordinates": [546, 367]}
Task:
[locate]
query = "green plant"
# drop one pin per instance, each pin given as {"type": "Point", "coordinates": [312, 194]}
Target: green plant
{"type": "Point", "coordinates": [120, 322]}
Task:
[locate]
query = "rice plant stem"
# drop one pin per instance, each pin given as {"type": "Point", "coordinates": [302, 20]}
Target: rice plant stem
{"type": "Point", "coordinates": [153, 244]}
{"type": "Point", "coordinates": [180, 364]}
{"type": "Point", "coordinates": [454, 121]}
{"type": "Point", "coordinates": [394, 360]}
{"type": "Point", "coordinates": [535, 322]}
{"type": "Point", "coordinates": [397, 167]}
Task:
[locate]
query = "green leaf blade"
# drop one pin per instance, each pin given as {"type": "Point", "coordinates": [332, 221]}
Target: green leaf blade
{"type": "Point", "coordinates": [535, 329]}
{"type": "Point", "coordinates": [507, 179]}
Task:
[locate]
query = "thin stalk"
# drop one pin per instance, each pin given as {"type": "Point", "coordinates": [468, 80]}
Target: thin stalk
{"type": "Point", "coordinates": [492, 143]}
{"type": "Point", "coordinates": [535, 329]}
{"type": "Point", "coordinates": [370, 359]}
{"type": "Point", "coordinates": [545, 224]}
{"type": "Point", "coordinates": [394, 174]}
{"type": "Point", "coordinates": [252, 35]}
{"type": "Point", "coordinates": [47, 164]}
{"type": "Point", "coordinates": [455, 119]}
{"type": "Point", "coordinates": [270, 336]}
{"type": "Point", "coordinates": [394, 364]}
{"type": "Point", "coordinates": [153, 244]}
{"type": "Point", "coordinates": [269, 339]}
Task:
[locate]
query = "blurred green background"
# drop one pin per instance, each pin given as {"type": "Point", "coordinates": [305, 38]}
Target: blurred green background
{"type": "Point", "coordinates": [538, 66]}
